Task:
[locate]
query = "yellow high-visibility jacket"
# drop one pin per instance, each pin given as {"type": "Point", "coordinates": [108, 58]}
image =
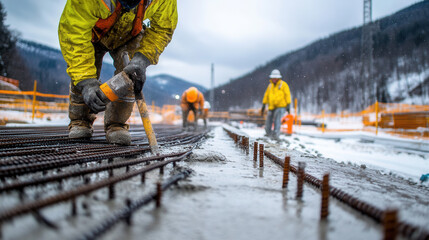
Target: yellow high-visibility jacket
{"type": "Point", "coordinates": [277, 95]}
{"type": "Point", "coordinates": [79, 17]}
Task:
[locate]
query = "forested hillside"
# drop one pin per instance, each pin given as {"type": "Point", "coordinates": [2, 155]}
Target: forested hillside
{"type": "Point", "coordinates": [32, 61]}
{"type": "Point", "coordinates": [326, 74]}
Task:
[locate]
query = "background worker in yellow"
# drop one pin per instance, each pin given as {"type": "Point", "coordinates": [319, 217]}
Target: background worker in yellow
{"type": "Point", "coordinates": [91, 28]}
{"type": "Point", "coordinates": [192, 100]}
{"type": "Point", "coordinates": [278, 98]}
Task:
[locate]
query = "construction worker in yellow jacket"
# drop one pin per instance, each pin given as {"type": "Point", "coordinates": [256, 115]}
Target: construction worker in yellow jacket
{"type": "Point", "coordinates": [278, 98]}
{"type": "Point", "coordinates": [91, 28]}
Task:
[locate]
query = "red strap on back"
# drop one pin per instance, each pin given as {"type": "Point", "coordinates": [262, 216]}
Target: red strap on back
{"type": "Point", "coordinates": [138, 20]}
{"type": "Point", "coordinates": [102, 26]}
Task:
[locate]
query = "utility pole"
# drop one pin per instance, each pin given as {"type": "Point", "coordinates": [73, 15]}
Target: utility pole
{"type": "Point", "coordinates": [212, 88]}
{"type": "Point", "coordinates": [366, 53]}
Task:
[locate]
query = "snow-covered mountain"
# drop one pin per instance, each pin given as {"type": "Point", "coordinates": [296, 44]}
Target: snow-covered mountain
{"type": "Point", "coordinates": [163, 89]}
{"type": "Point", "coordinates": [34, 61]}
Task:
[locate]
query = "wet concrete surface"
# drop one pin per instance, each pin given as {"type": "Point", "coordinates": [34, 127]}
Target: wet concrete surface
{"type": "Point", "coordinates": [227, 197]}
{"type": "Point", "coordinates": [235, 199]}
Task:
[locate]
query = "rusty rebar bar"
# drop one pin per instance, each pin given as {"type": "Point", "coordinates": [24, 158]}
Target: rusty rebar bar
{"type": "Point", "coordinates": [255, 151]}
{"type": "Point", "coordinates": [27, 207]}
{"type": "Point", "coordinates": [81, 172]}
{"type": "Point", "coordinates": [261, 155]}
{"type": "Point", "coordinates": [300, 182]}
{"type": "Point", "coordinates": [86, 180]}
{"type": "Point", "coordinates": [324, 209]}
{"type": "Point", "coordinates": [159, 194]}
{"type": "Point", "coordinates": [390, 224]}
{"type": "Point", "coordinates": [286, 172]}
{"type": "Point", "coordinates": [129, 216]}
{"type": "Point", "coordinates": [111, 186]}
{"type": "Point", "coordinates": [20, 155]}
{"type": "Point", "coordinates": [73, 207]}
{"type": "Point", "coordinates": [406, 229]}
{"type": "Point", "coordinates": [108, 222]}
{"type": "Point", "coordinates": [243, 143]}
{"type": "Point", "coordinates": [143, 178]}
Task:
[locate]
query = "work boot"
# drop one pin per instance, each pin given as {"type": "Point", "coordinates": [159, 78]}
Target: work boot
{"type": "Point", "coordinates": [275, 137]}
{"type": "Point", "coordinates": [81, 119]}
{"type": "Point", "coordinates": [118, 134]}
{"type": "Point", "coordinates": [80, 129]}
{"type": "Point", "coordinates": [117, 113]}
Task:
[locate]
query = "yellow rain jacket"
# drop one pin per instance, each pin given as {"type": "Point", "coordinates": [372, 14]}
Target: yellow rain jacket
{"type": "Point", "coordinates": [79, 18]}
{"type": "Point", "coordinates": [277, 95]}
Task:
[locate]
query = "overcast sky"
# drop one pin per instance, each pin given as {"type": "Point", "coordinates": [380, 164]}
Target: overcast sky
{"type": "Point", "coordinates": [235, 35]}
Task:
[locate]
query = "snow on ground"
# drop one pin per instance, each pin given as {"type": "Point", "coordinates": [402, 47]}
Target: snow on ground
{"type": "Point", "coordinates": [350, 123]}
{"type": "Point", "coordinates": [376, 156]}
{"type": "Point", "coordinates": [379, 174]}
{"type": "Point", "coordinates": [355, 148]}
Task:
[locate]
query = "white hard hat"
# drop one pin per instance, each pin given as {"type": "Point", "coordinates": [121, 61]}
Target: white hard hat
{"type": "Point", "coordinates": [275, 74]}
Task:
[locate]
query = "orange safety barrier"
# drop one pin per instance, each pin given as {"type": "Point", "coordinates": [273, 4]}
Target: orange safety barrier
{"type": "Point", "coordinates": [398, 119]}
{"type": "Point", "coordinates": [405, 120]}
{"type": "Point", "coordinates": [11, 92]}
{"type": "Point", "coordinates": [20, 104]}
{"type": "Point", "coordinates": [38, 94]}
{"type": "Point", "coordinates": [10, 80]}
{"type": "Point", "coordinates": [219, 115]}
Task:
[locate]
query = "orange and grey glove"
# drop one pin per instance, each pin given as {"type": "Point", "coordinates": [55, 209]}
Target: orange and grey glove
{"type": "Point", "coordinates": [136, 70]}
{"type": "Point", "coordinates": [92, 95]}
{"type": "Point", "coordinates": [262, 109]}
{"type": "Point", "coordinates": [288, 108]}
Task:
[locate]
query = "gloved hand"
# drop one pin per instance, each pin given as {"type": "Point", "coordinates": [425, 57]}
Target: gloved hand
{"type": "Point", "coordinates": [92, 94]}
{"type": "Point", "coordinates": [200, 112]}
{"type": "Point", "coordinates": [136, 70]}
{"type": "Point", "coordinates": [288, 109]}
{"type": "Point", "coordinates": [262, 109]}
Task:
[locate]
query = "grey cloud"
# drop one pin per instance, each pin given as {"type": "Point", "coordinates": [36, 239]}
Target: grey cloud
{"type": "Point", "coordinates": [206, 29]}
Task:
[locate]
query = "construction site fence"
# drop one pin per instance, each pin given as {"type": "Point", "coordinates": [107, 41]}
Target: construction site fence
{"type": "Point", "coordinates": [29, 102]}
{"type": "Point", "coordinates": [406, 119]}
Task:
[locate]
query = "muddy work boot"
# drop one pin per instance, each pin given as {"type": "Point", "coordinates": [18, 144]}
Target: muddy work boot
{"type": "Point", "coordinates": [81, 119]}
{"type": "Point", "coordinates": [117, 113]}
{"type": "Point", "coordinates": [80, 130]}
{"type": "Point", "coordinates": [118, 134]}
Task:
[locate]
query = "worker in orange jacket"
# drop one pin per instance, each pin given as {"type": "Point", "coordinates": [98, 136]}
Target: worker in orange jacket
{"type": "Point", "coordinates": [192, 100]}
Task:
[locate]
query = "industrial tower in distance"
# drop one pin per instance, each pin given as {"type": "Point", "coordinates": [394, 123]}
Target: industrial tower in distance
{"type": "Point", "coordinates": [369, 86]}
